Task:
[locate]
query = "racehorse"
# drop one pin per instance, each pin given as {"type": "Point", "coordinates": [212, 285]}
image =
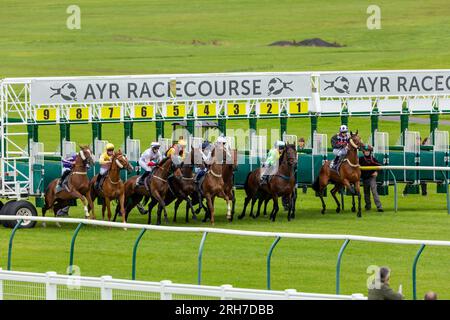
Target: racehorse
{"type": "Point", "coordinates": [77, 186]}
{"type": "Point", "coordinates": [349, 173]}
{"type": "Point", "coordinates": [282, 183]}
{"type": "Point", "coordinates": [112, 187]}
{"type": "Point", "coordinates": [213, 184]}
{"type": "Point", "coordinates": [155, 185]}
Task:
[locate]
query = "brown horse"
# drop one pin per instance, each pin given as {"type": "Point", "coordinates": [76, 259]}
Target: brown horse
{"type": "Point", "coordinates": [77, 186]}
{"type": "Point", "coordinates": [213, 184]}
{"type": "Point", "coordinates": [282, 183]}
{"type": "Point", "coordinates": [112, 187]}
{"type": "Point", "coordinates": [349, 174]}
{"type": "Point", "coordinates": [157, 183]}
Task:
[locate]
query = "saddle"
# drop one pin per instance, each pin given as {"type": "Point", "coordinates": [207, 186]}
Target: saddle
{"type": "Point", "coordinates": [144, 182]}
{"type": "Point", "coordinates": [336, 165]}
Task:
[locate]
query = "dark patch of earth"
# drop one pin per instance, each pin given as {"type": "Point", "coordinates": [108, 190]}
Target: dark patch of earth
{"type": "Point", "coordinates": [315, 42]}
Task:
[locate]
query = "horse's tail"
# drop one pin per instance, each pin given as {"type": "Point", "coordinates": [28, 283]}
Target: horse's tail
{"type": "Point", "coordinates": [316, 185]}
{"type": "Point", "coordinates": [246, 183]}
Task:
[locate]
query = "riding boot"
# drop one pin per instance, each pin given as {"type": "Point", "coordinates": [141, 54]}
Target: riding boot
{"type": "Point", "coordinates": [63, 178]}
{"type": "Point", "coordinates": [141, 180]}
{"type": "Point", "coordinates": [335, 163]}
{"type": "Point", "coordinates": [97, 183]}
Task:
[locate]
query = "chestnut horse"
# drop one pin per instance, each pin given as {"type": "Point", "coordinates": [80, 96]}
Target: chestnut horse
{"type": "Point", "coordinates": [349, 174]}
{"type": "Point", "coordinates": [155, 185]}
{"type": "Point", "coordinates": [213, 184]}
{"type": "Point", "coordinates": [77, 183]}
{"type": "Point", "coordinates": [112, 187]}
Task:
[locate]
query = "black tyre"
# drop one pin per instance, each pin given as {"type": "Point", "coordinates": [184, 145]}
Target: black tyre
{"type": "Point", "coordinates": [19, 208]}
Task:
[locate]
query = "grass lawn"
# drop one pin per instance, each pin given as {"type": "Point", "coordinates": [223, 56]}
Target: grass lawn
{"type": "Point", "coordinates": [306, 265]}
{"type": "Point", "coordinates": [153, 37]}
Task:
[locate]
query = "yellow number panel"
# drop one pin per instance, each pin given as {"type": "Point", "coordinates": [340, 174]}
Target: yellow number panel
{"type": "Point", "coordinates": [206, 110]}
{"type": "Point", "coordinates": [78, 113]}
{"type": "Point", "coordinates": [269, 108]}
{"type": "Point", "coordinates": [143, 112]}
{"type": "Point", "coordinates": [111, 112]}
{"type": "Point", "coordinates": [297, 107]}
{"type": "Point", "coordinates": [236, 109]}
{"type": "Point", "coordinates": [46, 114]}
{"type": "Point", "coordinates": [176, 110]}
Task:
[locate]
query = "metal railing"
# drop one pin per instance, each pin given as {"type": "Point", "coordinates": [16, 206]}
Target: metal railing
{"type": "Point", "coordinates": [276, 235]}
{"type": "Point", "coordinates": [51, 286]}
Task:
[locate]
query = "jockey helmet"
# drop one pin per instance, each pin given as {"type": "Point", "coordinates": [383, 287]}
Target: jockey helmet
{"type": "Point", "coordinates": [279, 144]}
{"type": "Point", "coordinates": [181, 142]}
{"type": "Point", "coordinates": [109, 147]}
{"type": "Point", "coordinates": [343, 129]}
{"type": "Point", "coordinates": [155, 145]}
{"type": "Point", "coordinates": [221, 139]}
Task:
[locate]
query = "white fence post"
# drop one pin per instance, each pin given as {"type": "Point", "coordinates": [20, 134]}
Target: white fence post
{"type": "Point", "coordinates": [224, 289]}
{"type": "Point", "coordinates": [357, 296]}
{"type": "Point", "coordinates": [50, 288]}
{"type": "Point", "coordinates": [289, 292]}
{"type": "Point", "coordinates": [165, 295]}
{"type": "Point", "coordinates": [106, 293]}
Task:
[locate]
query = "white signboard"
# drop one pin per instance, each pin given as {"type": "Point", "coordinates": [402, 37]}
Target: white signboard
{"type": "Point", "coordinates": [386, 83]}
{"type": "Point", "coordinates": [165, 88]}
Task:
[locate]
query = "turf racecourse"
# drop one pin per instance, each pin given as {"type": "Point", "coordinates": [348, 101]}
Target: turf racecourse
{"type": "Point", "coordinates": [306, 265]}
{"type": "Point", "coordinates": [151, 37]}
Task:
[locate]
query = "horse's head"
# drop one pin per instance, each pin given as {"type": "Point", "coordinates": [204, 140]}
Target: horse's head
{"type": "Point", "coordinates": [289, 155]}
{"type": "Point", "coordinates": [121, 160]}
{"type": "Point", "coordinates": [355, 141]}
{"type": "Point", "coordinates": [86, 155]}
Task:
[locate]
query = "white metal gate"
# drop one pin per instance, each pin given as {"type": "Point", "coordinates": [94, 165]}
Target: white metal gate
{"type": "Point", "coordinates": [99, 147]}
{"type": "Point", "coordinates": [133, 149]}
{"type": "Point", "coordinates": [68, 148]}
{"type": "Point", "coordinates": [258, 149]}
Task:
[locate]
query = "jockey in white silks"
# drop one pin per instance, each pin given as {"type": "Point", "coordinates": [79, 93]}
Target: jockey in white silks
{"type": "Point", "coordinates": [148, 160]}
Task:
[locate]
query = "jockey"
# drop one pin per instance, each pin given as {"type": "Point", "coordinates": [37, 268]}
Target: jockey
{"type": "Point", "coordinates": [339, 143]}
{"type": "Point", "coordinates": [105, 163]}
{"type": "Point", "coordinates": [148, 160]}
{"type": "Point", "coordinates": [205, 153]}
{"type": "Point", "coordinates": [272, 159]}
{"type": "Point", "coordinates": [177, 148]}
{"type": "Point", "coordinates": [67, 165]}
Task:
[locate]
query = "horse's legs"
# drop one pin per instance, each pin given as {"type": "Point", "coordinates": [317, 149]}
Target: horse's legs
{"type": "Point", "coordinates": [293, 202]}
{"type": "Point", "coordinates": [353, 203]}
{"type": "Point", "coordinates": [177, 204]}
{"type": "Point", "coordinates": [76, 194]}
{"type": "Point", "coordinates": [191, 207]}
{"type": "Point", "coordinates": [227, 199]}
{"type": "Point", "coordinates": [333, 193]}
{"type": "Point", "coordinates": [151, 205]}
{"type": "Point", "coordinates": [90, 205]}
{"type": "Point", "coordinates": [258, 210]}
{"type": "Point", "coordinates": [210, 203]}
{"type": "Point", "coordinates": [108, 207]}
{"type": "Point", "coordinates": [266, 202]}
{"type": "Point", "coordinates": [233, 202]}
{"type": "Point", "coordinates": [246, 201]}
{"type": "Point", "coordinates": [122, 207]}
{"type": "Point", "coordinates": [103, 209]}
{"type": "Point", "coordinates": [275, 209]}
{"type": "Point", "coordinates": [158, 215]}
{"type": "Point", "coordinates": [252, 206]}
{"type": "Point", "coordinates": [162, 204]}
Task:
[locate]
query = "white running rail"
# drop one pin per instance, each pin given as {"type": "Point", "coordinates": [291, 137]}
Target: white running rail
{"type": "Point", "coordinates": [52, 286]}
{"type": "Point", "coordinates": [233, 232]}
